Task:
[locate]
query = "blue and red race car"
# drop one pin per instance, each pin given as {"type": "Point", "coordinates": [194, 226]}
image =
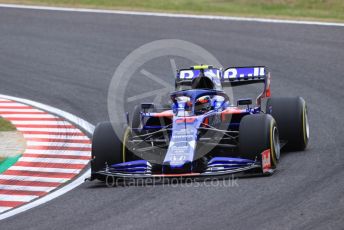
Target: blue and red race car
{"type": "Point", "coordinates": [203, 132]}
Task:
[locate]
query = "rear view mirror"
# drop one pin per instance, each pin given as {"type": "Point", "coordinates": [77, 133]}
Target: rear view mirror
{"type": "Point", "coordinates": [146, 106]}
{"type": "Point", "coordinates": [244, 102]}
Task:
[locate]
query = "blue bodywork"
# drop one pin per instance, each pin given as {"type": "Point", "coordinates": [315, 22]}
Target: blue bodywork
{"type": "Point", "coordinates": [186, 123]}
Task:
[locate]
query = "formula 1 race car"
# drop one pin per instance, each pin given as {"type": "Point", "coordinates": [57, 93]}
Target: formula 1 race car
{"type": "Point", "coordinates": [203, 132]}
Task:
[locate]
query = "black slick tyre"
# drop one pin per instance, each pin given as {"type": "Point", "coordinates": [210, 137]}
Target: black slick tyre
{"type": "Point", "coordinates": [258, 133]}
{"type": "Point", "coordinates": [107, 147]}
{"type": "Point", "coordinates": [292, 120]}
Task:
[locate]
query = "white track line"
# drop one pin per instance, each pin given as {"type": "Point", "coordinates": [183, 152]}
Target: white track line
{"type": "Point", "coordinates": [65, 188]}
{"type": "Point", "coordinates": [32, 178]}
{"type": "Point", "coordinates": [24, 188]}
{"type": "Point", "coordinates": [52, 160]}
{"type": "Point", "coordinates": [171, 15]}
{"type": "Point", "coordinates": [58, 144]}
{"type": "Point", "coordinates": [28, 115]}
{"type": "Point", "coordinates": [2, 209]}
{"type": "Point", "coordinates": [25, 198]}
{"type": "Point", "coordinates": [21, 110]}
{"type": "Point", "coordinates": [53, 130]}
{"type": "Point", "coordinates": [51, 136]}
{"type": "Point", "coordinates": [58, 152]}
{"type": "Point", "coordinates": [14, 104]}
{"type": "Point", "coordinates": [41, 169]}
{"type": "Point", "coordinates": [23, 122]}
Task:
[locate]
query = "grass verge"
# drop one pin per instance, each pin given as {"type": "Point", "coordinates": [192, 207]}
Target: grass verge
{"type": "Point", "coordinates": [324, 10]}
{"type": "Point", "coordinates": [6, 125]}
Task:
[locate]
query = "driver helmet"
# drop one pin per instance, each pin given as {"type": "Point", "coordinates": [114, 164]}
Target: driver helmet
{"type": "Point", "coordinates": [202, 105]}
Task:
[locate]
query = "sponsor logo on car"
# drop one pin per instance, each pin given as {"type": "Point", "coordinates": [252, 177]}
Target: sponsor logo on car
{"type": "Point", "coordinates": [266, 162]}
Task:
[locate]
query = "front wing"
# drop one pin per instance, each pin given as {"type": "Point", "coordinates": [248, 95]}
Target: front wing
{"type": "Point", "coordinates": [217, 167]}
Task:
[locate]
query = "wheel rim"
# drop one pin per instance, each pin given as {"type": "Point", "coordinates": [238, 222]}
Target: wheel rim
{"type": "Point", "coordinates": [306, 126]}
{"type": "Point", "coordinates": [276, 143]}
{"type": "Point", "coordinates": [124, 144]}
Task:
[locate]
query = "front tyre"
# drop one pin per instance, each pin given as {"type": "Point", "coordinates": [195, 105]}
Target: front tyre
{"type": "Point", "coordinates": [258, 133]}
{"type": "Point", "coordinates": [107, 147]}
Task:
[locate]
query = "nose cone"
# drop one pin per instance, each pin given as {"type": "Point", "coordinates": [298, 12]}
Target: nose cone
{"type": "Point", "coordinates": [183, 167]}
{"type": "Point", "coordinates": [182, 147]}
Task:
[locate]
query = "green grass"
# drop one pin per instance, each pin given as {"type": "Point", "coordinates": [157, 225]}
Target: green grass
{"type": "Point", "coordinates": [6, 125]}
{"type": "Point", "coordinates": [326, 10]}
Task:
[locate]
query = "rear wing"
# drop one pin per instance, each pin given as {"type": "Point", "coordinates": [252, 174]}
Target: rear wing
{"type": "Point", "coordinates": [185, 76]}
{"type": "Point", "coordinates": [230, 77]}
{"type": "Point", "coordinates": [244, 75]}
{"type": "Point", "coordinates": [233, 75]}
{"type": "Point", "coordinates": [248, 75]}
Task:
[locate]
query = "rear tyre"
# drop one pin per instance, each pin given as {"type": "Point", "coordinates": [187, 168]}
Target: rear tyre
{"type": "Point", "coordinates": [107, 147]}
{"type": "Point", "coordinates": [292, 120]}
{"type": "Point", "coordinates": [258, 133]}
{"type": "Point", "coordinates": [136, 119]}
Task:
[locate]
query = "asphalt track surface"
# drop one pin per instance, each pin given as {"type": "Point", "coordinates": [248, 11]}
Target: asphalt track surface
{"type": "Point", "coordinates": [67, 60]}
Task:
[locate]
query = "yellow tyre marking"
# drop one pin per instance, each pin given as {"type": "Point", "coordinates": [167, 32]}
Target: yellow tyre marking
{"type": "Point", "coordinates": [126, 134]}
{"type": "Point", "coordinates": [273, 154]}
{"type": "Point", "coordinates": [304, 124]}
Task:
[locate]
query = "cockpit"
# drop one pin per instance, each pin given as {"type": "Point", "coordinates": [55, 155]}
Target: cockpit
{"type": "Point", "coordinates": [198, 101]}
